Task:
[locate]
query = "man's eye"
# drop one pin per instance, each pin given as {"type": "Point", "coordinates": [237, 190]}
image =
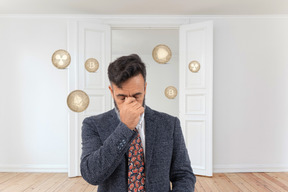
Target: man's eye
{"type": "Point", "coordinates": [122, 98]}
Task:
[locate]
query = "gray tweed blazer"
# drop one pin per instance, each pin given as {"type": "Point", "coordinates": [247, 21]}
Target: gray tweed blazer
{"type": "Point", "coordinates": [105, 142]}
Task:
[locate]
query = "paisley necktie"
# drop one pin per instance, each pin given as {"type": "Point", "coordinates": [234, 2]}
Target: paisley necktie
{"type": "Point", "coordinates": [136, 168]}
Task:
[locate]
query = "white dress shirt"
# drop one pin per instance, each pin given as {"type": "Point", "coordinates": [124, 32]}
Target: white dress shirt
{"type": "Point", "coordinates": [141, 130]}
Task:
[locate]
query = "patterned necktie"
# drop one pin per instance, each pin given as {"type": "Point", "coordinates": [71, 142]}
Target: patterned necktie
{"type": "Point", "coordinates": [136, 169]}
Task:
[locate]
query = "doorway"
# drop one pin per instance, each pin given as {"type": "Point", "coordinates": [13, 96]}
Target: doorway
{"type": "Point", "coordinates": [159, 76]}
{"type": "Point", "coordinates": [193, 104]}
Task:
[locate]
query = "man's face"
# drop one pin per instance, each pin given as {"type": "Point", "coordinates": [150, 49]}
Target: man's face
{"type": "Point", "coordinates": [133, 87]}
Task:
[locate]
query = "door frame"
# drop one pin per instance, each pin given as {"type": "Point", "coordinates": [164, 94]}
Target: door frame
{"type": "Point", "coordinates": [118, 22]}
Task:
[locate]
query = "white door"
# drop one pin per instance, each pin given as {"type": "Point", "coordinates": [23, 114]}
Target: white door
{"type": "Point", "coordinates": [196, 93]}
{"type": "Point", "coordinates": [87, 40]}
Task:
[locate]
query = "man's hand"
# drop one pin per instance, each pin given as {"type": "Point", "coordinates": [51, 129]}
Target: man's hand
{"type": "Point", "coordinates": [130, 112]}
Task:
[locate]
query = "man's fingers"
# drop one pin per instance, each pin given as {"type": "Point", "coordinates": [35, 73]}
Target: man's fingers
{"type": "Point", "coordinates": [141, 110]}
{"type": "Point", "coordinates": [130, 111]}
{"type": "Point", "coordinates": [131, 104]}
{"type": "Point", "coordinates": [136, 106]}
{"type": "Point", "coordinates": [129, 100]}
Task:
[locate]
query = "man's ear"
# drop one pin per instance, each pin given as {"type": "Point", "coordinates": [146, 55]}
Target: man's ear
{"type": "Point", "coordinates": [145, 87]}
{"type": "Point", "coordinates": [111, 90]}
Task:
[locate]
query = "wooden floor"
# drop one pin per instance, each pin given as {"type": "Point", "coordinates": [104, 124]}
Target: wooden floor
{"type": "Point", "coordinates": [230, 182]}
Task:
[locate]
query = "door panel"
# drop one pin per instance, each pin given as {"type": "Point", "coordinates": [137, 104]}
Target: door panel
{"type": "Point", "coordinates": [196, 93]}
{"type": "Point", "coordinates": [87, 40]}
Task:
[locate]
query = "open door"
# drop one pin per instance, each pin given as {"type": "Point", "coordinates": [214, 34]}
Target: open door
{"type": "Point", "coordinates": [196, 93]}
{"type": "Point", "coordinates": [87, 40]}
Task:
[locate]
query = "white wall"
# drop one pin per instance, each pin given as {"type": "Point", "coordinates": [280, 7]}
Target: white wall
{"type": "Point", "coordinates": [250, 94]}
{"type": "Point", "coordinates": [33, 112]}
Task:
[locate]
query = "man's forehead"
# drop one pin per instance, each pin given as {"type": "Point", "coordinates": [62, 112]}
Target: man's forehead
{"type": "Point", "coordinates": [124, 90]}
{"type": "Point", "coordinates": [124, 87]}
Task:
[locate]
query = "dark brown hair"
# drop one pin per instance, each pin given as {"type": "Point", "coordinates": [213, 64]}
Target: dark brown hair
{"type": "Point", "coordinates": [124, 68]}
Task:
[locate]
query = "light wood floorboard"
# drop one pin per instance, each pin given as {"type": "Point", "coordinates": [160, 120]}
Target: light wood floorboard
{"type": "Point", "coordinates": [220, 182]}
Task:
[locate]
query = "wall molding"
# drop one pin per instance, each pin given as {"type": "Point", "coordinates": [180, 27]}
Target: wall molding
{"type": "Point", "coordinates": [232, 168]}
{"type": "Point", "coordinates": [137, 17]}
{"type": "Point", "coordinates": [34, 168]}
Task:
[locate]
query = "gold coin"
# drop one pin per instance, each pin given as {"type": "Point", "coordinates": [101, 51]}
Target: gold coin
{"type": "Point", "coordinates": [194, 66]}
{"type": "Point", "coordinates": [61, 59]}
{"type": "Point", "coordinates": [91, 65]}
{"type": "Point", "coordinates": [161, 54]}
{"type": "Point", "coordinates": [171, 92]}
{"type": "Point", "coordinates": [78, 101]}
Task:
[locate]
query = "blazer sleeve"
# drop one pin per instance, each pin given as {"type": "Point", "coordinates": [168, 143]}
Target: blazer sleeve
{"type": "Point", "coordinates": [99, 160]}
{"type": "Point", "coordinates": [181, 173]}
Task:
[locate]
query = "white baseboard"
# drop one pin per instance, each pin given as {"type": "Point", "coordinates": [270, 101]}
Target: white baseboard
{"type": "Point", "coordinates": [232, 168]}
{"type": "Point", "coordinates": [34, 168]}
{"type": "Point", "coordinates": [249, 168]}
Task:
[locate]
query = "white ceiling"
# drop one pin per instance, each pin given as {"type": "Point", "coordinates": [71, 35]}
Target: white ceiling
{"type": "Point", "coordinates": [145, 7]}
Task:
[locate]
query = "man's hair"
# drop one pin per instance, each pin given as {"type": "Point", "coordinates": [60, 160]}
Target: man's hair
{"type": "Point", "coordinates": [124, 68]}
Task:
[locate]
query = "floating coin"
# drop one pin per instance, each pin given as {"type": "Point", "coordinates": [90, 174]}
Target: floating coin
{"type": "Point", "coordinates": [171, 92]}
{"type": "Point", "coordinates": [78, 101]}
{"type": "Point", "coordinates": [194, 66]}
{"type": "Point", "coordinates": [161, 54]}
{"type": "Point", "coordinates": [61, 59]}
{"type": "Point", "coordinates": [91, 65]}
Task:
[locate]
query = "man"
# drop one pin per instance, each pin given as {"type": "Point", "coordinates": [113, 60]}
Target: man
{"type": "Point", "coordinates": [132, 147]}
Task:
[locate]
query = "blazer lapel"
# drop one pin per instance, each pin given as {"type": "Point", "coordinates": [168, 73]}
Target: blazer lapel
{"type": "Point", "coordinates": [149, 135]}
